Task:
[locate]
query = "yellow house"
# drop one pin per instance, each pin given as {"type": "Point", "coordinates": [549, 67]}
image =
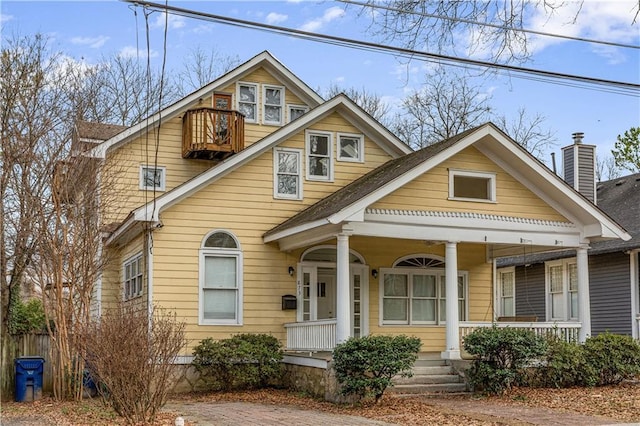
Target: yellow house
{"type": "Point", "coordinates": [254, 206]}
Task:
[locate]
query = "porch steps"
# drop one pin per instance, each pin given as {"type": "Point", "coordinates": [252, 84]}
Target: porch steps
{"type": "Point", "coordinates": [430, 375]}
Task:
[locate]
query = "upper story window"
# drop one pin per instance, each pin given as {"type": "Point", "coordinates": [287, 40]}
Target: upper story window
{"type": "Point", "coordinates": [132, 274]}
{"type": "Point", "coordinates": [319, 155]}
{"type": "Point", "coordinates": [220, 279]}
{"type": "Point", "coordinates": [248, 101]}
{"type": "Point", "coordinates": [350, 147]}
{"type": "Point", "coordinates": [152, 178]}
{"type": "Point", "coordinates": [296, 111]}
{"type": "Point", "coordinates": [273, 108]}
{"type": "Point", "coordinates": [506, 292]}
{"type": "Point", "coordinates": [562, 290]}
{"type": "Point", "coordinates": [467, 185]}
{"type": "Point", "coordinates": [287, 166]}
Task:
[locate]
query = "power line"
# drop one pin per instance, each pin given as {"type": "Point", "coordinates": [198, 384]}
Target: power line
{"type": "Point", "coordinates": [619, 87]}
{"type": "Point", "coordinates": [486, 24]}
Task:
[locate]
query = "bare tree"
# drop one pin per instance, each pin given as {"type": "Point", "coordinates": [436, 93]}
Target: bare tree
{"type": "Point", "coordinates": [200, 67]}
{"type": "Point", "coordinates": [458, 27]}
{"type": "Point", "coordinates": [529, 132]}
{"type": "Point", "coordinates": [446, 105]}
{"type": "Point", "coordinates": [606, 168]}
{"type": "Point", "coordinates": [372, 103]}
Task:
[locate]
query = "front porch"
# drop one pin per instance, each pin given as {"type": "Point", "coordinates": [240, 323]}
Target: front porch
{"type": "Point", "coordinates": [320, 336]}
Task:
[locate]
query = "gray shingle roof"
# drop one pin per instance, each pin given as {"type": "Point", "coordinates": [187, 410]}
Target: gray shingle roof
{"type": "Point", "coordinates": [97, 131]}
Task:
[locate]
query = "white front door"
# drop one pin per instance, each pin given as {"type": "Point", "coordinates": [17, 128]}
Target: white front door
{"type": "Point", "coordinates": [326, 294]}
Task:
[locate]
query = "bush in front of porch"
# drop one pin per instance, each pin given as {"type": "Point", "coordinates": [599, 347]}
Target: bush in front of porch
{"type": "Point", "coordinates": [365, 366]}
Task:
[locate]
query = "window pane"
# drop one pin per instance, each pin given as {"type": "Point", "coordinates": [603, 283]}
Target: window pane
{"type": "Point", "coordinates": [272, 113]}
{"type": "Point", "coordinates": [319, 166]}
{"type": "Point", "coordinates": [574, 305]}
{"type": "Point", "coordinates": [557, 306]}
{"type": "Point", "coordinates": [220, 272]}
{"type": "Point", "coordinates": [555, 279]}
{"type": "Point", "coordinates": [443, 310]}
{"type": "Point", "coordinates": [349, 147]}
{"type": "Point", "coordinates": [424, 286]}
{"type": "Point", "coordinates": [248, 110]}
{"type": "Point", "coordinates": [471, 187]}
{"type": "Point", "coordinates": [319, 145]}
{"type": "Point", "coordinates": [507, 284]}
{"type": "Point", "coordinates": [288, 185]}
{"type": "Point", "coordinates": [507, 307]}
{"type": "Point", "coordinates": [395, 309]}
{"type": "Point", "coordinates": [573, 277]}
{"type": "Point", "coordinates": [288, 162]}
{"type": "Point", "coordinates": [395, 285]}
{"type": "Point", "coordinates": [248, 94]}
{"type": "Point", "coordinates": [219, 304]}
{"type": "Point", "coordinates": [295, 113]}
{"type": "Point", "coordinates": [273, 96]}
{"type": "Point", "coordinates": [423, 310]}
{"type": "Point", "coordinates": [220, 240]}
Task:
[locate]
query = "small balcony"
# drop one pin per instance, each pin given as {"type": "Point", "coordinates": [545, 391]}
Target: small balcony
{"type": "Point", "coordinates": [212, 134]}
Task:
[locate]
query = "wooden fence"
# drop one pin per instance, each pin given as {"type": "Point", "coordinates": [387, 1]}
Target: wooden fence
{"type": "Point", "coordinates": [28, 345]}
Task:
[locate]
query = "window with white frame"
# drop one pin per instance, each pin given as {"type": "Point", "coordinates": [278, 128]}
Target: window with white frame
{"type": "Point", "coordinates": [248, 101]}
{"type": "Point", "coordinates": [152, 178]}
{"type": "Point", "coordinates": [562, 290]}
{"type": "Point", "coordinates": [132, 274]}
{"type": "Point", "coordinates": [506, 292]}
{"type": "Point", "coordinates": [273, 105]}
{"type": "Point", "coordinates": [468, 185]}
{"type": "Point", "coordinates": [319, 149]}
{"type": "Point", "coordinates": [296, 111]}
{"type": "Point", "coordinates": [287, 166]}
{"type": "Point", "coordinates": [414, 296]}
{"type": "Point", "coordinates": [350, 147]}
{"type": "Point", "coordinates": [220, 279]}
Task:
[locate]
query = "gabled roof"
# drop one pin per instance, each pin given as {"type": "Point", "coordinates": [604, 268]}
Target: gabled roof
{"type": "Point", "coordinates": [90, 131]}
{"type": "Point", "coordinates": [341, 104]}
{"type": "Point", "coordinates": [353, 199]}
{"type": "Point", "coordinates": [264, 59]}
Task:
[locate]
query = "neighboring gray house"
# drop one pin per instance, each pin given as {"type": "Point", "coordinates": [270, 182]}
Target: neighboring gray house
{"type": "Point", "coordinates": [544, 286]}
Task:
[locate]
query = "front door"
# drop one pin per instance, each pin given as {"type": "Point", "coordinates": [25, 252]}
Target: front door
{"type": "Point", "coordinates": [326, 294]}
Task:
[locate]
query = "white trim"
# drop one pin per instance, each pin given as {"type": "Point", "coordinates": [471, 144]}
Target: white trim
{"type": "Point", "coordinates": [163, 178]}
{"type": "Point", "coordinates": [266, 87]}
{"type": "Point", "coordinates": [308, 133]}
{"type": "Point", "coordinates": [490, 177]}
{"type": "Point", "coordinates": [135, 258]}
{"type": "Point", "coordinates": [566, 294]}
{"type": "Point", "coordinates": [634, 278]}
{"type": "Point", "coordinates": [295, 106]}
{"type": "Point", "coordinates": [235, 253]}
{"type": "Point", "coordinates": [499, 286]}
{"type": "Point", "coordinates": [298, 195]}
{"type": "Point", "coordinates": [360, 148]}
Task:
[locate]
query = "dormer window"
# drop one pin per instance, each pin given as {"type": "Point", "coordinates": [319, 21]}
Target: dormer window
{"type": "Point", "coordinates": [467, 185]}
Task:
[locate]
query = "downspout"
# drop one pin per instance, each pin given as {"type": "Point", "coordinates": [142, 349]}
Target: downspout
{"type": "Point", "coordinates": [634, 278]}
{"type": "Point", "coordinates": [149, 271]}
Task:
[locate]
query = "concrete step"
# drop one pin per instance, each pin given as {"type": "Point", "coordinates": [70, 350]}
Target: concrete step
{"type": "Point", "coordinates": [428, 388]}
{"type": "Point", "coordinates": [440, 369]}
{"type": "Point", "coordinates": [427, 379]}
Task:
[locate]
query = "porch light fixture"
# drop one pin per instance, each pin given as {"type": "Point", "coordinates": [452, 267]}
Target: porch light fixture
{"type": "Point", "coordinates": [291, 271]}
{"type": "Point", "coordinates": [374, 273]}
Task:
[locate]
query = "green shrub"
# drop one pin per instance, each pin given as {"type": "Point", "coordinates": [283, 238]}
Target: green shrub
{"type": "Point", "coordinates": [241, 362]}
{"type": "Point", "coordinates": [365, 365]}
{"type": "Point", "coordinates": [27, 317]}
{"type": "Point", "coordinates": [501, 354]}
{"type": "Point", "coordinates": [564, 366]}
{"type": "Point", "coordinates": [612, 357]}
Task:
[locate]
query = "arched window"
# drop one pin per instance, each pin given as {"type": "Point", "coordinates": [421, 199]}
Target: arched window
{"type": "Point", "coordinates": [220, 279]}
{"type": "Point", "coordinates": [420, 261]}
{"type": "Point", "coordinates": [329, 254]}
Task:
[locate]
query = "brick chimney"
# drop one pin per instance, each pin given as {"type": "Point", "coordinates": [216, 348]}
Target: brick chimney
{"type": "Point", "coordinates": [579, 165]}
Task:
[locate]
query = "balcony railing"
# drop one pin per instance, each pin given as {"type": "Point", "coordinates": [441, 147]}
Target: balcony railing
{"type": "Point", "coordinates": [312, 336]}
{"type": "Point", "coordinates": [567, 331]}
{"type": "Point", "coordinates": [212, 134]}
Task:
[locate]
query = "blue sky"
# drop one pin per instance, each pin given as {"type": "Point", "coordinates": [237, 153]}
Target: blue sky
{"type": "Point", "coordinates": [88, 30]}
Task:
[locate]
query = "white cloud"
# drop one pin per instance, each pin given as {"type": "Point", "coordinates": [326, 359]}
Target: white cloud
{"type": "Point", "coordinates": [174, 21]}
{"type": "Point", "coordinates": [92, 42]}
{"type": "Point", "coordinates": [339, 80]}
{"type": "Point", "coordinates": [329, 15]}
{"type": "Point", "coordinates": [132, 52]}
{"type": "Point", "coordinates": [6, 18]}
{"type": "Point", "coordinates": [275, 18]}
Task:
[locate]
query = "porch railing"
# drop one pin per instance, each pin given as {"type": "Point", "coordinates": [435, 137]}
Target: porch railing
{"type": "Point", "coordinates": [311, 335]}
{"type": "Point", "coordinates": [567, 331]}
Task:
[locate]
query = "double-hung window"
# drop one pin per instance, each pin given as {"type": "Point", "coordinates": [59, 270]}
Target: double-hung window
{"type": "Point", "coordinates": [319, 155]}
{"type": "Point", "coordinates": [287, 167]}
{"type": "Point", "coordinates": [132, 274]}
{"type": "Point", "coordinates": [248, 101]}
{"type": "Point", "coordinates": [562, 290]}
{"type": "Point", "coordinates": [220, 280]}
{"type": "Point", "coordinates": [273, 108]}
{"type": "Point", "coordinates": [418, 296]}
{"type": "Point", "coordinates": [506, 292]}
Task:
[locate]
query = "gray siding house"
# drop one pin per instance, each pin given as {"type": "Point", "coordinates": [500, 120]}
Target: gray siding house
{"type": "Point", "coordinates": [542, 286]}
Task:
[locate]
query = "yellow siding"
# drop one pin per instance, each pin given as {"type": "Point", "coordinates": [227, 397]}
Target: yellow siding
{"type": "Point", "coordinates": [431, 190]}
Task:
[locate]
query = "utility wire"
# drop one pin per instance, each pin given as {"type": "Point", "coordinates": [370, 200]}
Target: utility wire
{"type": "Point", "coordinates": [487, 24]}
{"type": "Point", "coordinates": [619, 87]}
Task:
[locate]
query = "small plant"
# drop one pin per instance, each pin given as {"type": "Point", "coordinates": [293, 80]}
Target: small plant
{"type": "Point", "coordinates": [365, 365]}
{"type": "Point", "coordinates": [241, 362]}
{"type": "Point", "coordinates": [501, 355]}
{"type": "Point", "coordinates": [612, 357]}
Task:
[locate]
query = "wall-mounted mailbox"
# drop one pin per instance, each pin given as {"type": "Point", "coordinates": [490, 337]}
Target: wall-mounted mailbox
{"type": "Point", "coordinates": [289, 301]}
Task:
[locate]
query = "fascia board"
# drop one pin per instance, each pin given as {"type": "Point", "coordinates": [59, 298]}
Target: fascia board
{"type": "Point", "coordinates": [407, 177]}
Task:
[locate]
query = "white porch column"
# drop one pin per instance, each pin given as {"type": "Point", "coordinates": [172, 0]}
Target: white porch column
{"type": "Point", "coordinates": [451, 282]}
{"type": "Point", "coordinates": [343, 324]}
{"type": "Point", "coordinates": [584, 305]}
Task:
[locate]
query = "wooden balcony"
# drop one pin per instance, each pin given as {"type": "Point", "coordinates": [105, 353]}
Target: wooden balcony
{"type": "Point", "coordinates": [212, 134]}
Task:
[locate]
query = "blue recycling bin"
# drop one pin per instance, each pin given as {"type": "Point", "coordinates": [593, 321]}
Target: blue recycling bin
{"type": "Point", "coordinates": [29, 371]}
